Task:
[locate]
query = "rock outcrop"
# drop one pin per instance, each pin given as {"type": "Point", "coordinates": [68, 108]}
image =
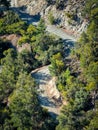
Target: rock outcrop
{"type": "Point", "coordinates": [48, 94]}
{"type": "Point", "coordinates": [69, 18]}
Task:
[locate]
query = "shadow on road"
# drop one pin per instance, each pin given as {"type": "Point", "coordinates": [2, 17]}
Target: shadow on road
{"type": "Point", "coordinates": [68, 45]}
{"type": "Point", "coordinates": [69, 42]}
{"type": "Point", "coordinates": [41, 76]}
{"type": "Point", "coordinates": [46, 102]}
{"type": "Point", "coordinates": [21, 11]}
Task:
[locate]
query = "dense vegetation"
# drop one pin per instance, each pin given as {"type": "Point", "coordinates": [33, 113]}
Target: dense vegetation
{"type": "Point", "coordinates": [19, 104]}
{"type": "Point", "coordinates": [81, 89]}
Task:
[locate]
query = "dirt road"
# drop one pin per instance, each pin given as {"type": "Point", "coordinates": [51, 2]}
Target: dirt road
{"type": "Point", "coordinates": [48, 94]}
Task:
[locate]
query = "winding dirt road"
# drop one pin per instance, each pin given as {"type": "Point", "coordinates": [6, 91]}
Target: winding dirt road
{"type": "Point", "coordinates": [48, 94]}
{"type": "Point", "coordinates": [30, 19]}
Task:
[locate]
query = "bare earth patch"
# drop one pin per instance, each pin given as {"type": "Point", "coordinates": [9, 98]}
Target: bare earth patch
{"type": "Point", "coordinates": [13, 39]}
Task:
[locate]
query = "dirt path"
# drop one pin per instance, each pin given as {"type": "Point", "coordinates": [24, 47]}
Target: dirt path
{"type": "Point", "coordinates": [30, 19]}
{"type": "Point", "coordinates": [60, 32]}
{"type": "Point", "coordinates": [48, 94]}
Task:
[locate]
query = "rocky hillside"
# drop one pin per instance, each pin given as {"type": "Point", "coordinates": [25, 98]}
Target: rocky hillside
{"type": "Point", "coordinates": [64, 13]}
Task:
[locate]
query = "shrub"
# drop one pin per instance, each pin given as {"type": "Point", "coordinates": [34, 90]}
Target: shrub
{"type": "Point", "coordinates": [51, 18]}
{"type": "Point", "coordinates": [70, 15]}
{"type": "Point", "coordinates": [23, 39]}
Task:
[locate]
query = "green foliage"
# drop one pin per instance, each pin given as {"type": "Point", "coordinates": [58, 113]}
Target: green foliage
{"type": "Point", "coordinates": [11, 18]}
{"type": "Point", "coordinates": [28, 35]}
{"type": "Point", "coordinates": [4, 45]}
{"type": "Point", "coordinates": [57, 64]}
{"type": "Point", "coordinates": [74, 115]}
{"type": "Point", "coordinates": [32, 30]}
{"type": "Point", "coordinates": [71, 120]}
{"type": "Point", "coordinates": [88, 55]}
{"type": "Point", "coordinates": [19, 105]}
{"type": "Point", "coordinates": [61, 84]}
{"type": "Point", "coordinates": [41, 26]}
{"type": "Point", "coordinates": [91, 10]}
{"type": "Point", "coordinates": [78, 94]}
{"type": "Point", "coordinates": [51, 18]}
{"type": "Point", "coordinates": [15, 28]}
{"type": "Point", "coordinates": [24, 103]}
{"type": "Point", "coordinates": [93, 125]}
{"type": "Point", "coordinates": [92, 74]}
{"type": "Point", "coordinates": [22, 40]}
{"type": "Point", "coordinates": [44, 47]}
{"type": "Point", "coordinates": [82, 95]}
{"type": "Point", "coordinates": [11, 23]}
{"type": "Point", "coordinates": [27, 60]}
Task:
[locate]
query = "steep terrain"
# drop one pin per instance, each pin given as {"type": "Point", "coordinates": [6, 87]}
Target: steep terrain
{"type": "Point", "coordinates": [69, 17]}
{"type": "Point", "coordinates": [49, 96]}
{"type": "Point", "coordinates": [65, 84]}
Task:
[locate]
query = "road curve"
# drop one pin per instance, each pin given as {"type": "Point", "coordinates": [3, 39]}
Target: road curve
{"type": "Point", "coordinates": [48, 94]}
{"type": "Point", "coordinates": [59, 32]}
{"type": "Point", "coordinates": [50, 28]}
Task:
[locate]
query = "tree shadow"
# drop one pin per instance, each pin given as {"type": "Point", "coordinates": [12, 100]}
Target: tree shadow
{"type": "Point", "coordinates": [30, 19]}
{"type": "Point", "coordinates": [57, 21]}
{"type": "Point", "coordinates": [69, 42]}
{"type": "Point", "coordinates": [53, 115]}
{"type": "Point", "coordinates": [44, 101]}
{"type": "Point", "coordinates": [68, 45]}
{"type": "Point", "coordinates": [41, 76]}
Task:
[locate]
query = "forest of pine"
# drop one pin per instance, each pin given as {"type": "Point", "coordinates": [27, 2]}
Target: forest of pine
{"type": "Point", "coordinates": [19, 105]}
